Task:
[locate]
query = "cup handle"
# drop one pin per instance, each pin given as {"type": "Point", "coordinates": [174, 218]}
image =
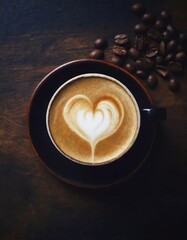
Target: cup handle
{"type": "Point", "coordinates": [154, 114]}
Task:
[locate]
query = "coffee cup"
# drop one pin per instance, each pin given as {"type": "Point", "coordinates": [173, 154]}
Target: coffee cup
{"type": "Point", "coordinates": [88, 120]}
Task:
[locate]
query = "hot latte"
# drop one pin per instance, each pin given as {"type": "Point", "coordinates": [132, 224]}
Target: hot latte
{"type": "Point", "coordinates": [93, 119]}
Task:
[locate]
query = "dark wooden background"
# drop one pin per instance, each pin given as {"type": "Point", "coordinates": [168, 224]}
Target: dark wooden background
{"type": "Point", "coordinates": [36, 37]}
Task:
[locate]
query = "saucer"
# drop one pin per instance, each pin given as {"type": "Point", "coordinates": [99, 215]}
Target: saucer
{"type": "Point", "coordinates": [70, 171]}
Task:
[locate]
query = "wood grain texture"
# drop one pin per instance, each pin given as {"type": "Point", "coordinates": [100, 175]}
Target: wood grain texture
{"type": "Point", "coordinates": [36, 37]}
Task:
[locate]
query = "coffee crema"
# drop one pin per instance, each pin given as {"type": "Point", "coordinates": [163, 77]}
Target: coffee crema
{"type": "Point", "coordinates": [93, 119]}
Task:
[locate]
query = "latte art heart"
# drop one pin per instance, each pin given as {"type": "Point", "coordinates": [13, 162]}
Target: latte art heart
{"type": "Point", "coordinates": [93, 121]}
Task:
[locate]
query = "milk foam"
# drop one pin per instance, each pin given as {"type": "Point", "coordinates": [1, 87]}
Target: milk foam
{"type": "Point", "coordinates": [93, 123]}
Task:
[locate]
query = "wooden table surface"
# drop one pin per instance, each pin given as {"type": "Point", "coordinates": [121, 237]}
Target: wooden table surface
{"type": "Point", "coordinates": [36, 37]}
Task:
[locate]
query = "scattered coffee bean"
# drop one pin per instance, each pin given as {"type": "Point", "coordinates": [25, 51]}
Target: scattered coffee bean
{"type": "Point", "coordinates": [140, 28]}
{"type": "Point", "coordinates": [138, 8]}
{"type": "Point", "coordinates": [174, 84]}
{"type": "Point", "coordinates": [150, 63]}
{"type": "Point", "coordinates": [182, 38]}
{"type": "Point", "coordinates": [117, 60]}
{"type": "Point", "coordinates": [121, 39]}
{"type": "Point", "coordinates": [159, 59]}
{"type": "Point", "coordinates": [131, 67]}
{"type": "Point", "coordinates": [96, 54]}
{"type": "Point", "coordinates": [148, 18]}
{"type": "Point", "coordinates": [151, 52]}
{"type": "Point", "coordinates": [141, 74]}
{"type": "Point", "coordinates": [162, 71]}
{"type": "Point", "coordinates": [160, 25]}
{"type": "Point", "coordinates": [167, 36]}
{"type": "Point", "coordinates": [154, 34]}
{"type": "Point", "coordinates": [119, 50]}
{"type": "Point", "coordinates": [181, 56]}
{"type": "Point", "coordinates": [165, 16]}
{"type": "Point", "coordinates": [171, 45]}
{"type": "Point", "coordinates": [134, 53]}
{"type": "Point", "coordinates": [141, 63]}
{"type": "Point", "coordinates": [152, 81]}
{"type": "Point", "coordinates": [171, 29]}
{"type": "Point", "coordinates": [162, 48]}
{"type": "Point", "coordinates": [169, 57]}
{"type": "Point", "coordinates": [140, 42]}
{"type": "Point", "coordinates": [175, 67]}
{"type": "Point", "coordinates": [100, 43]}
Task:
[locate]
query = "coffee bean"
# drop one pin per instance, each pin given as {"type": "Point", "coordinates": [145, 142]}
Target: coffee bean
{"type": "Point", "coordinates": [160, 25]}
{"type": "Point", "coordinates": [131, 67]}
{"type": "Point", "coordinates": [174, 84]}
{"type": "Point", "coordinates": [152, 81]}
{"type": "Point", "coordinates": [182, 38]}
{"type": "Point", "coordinates": [96, 54]}
{"type": "Point", "coordinates": [140, 28]}
{"type": "Point", "coordinates": [171, 45]}
{"type": "Point", "coordinates": [121, 39]}
{"type": "Point", "coordinates": [134, 53]}
{"type": "Point", "coordinates": [181, 47]}
{"type": "Point", "coordinates": [159, 59]}
{"type": "Point", "coordinates": [171, 29]}
{"type": "Point", "coordinates": [175, 67]}
{"type": "Point", "coordinates": [154, 34]}
{"type": "Point", "coordinates": [150, 63]}
{"type": "Point", "coordinates": [162, 48]}
{"type": "Point", "coordinates": [138, 8]}
{"type": "Point", "coordinates": [165, 16]}
{"type": "Point", "coordinates": [100, 43]}
{"type": "Point", "coordinates": [117, 60]}
{"type": "Point", "coordinates": [148, 18]}
{"type": "Point", "coordinates": [141, 63]}
{"type": "Point", "coordinates": [169, 57]}
{"type": "Point", "coordinates": [162, 71]}
{"type": "Point", "coordinates": [119, 50]}
{"type": "Point", "coordinates": [181, 57]}
{"type": "Point", "coordinates": [167, 36]}
{"type": "Point", "coordinates": [140, 42]}
{"type": "Point", "coordinates": [141, 73]}
{"type": "Point", "coordinates": [151, 52]}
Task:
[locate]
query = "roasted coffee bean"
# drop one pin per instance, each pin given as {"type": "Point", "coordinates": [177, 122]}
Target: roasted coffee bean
{"type": "Point", "coordinates": [152, 81]}
{"type": "Point", "coordinates": [169, 57]}
{"type": "Point", "coordinates": [96, 54]}
{"type": "Point", "coordinates": [171, 45]}
{"type": "Point", "coordinates": [148, 18]}
{"type": "Point", "coordinates": [152, 33]}
{"type": "Point", "coordinates": [182, 38]}
{"type": "Point", "coordinates": [181, 47]}
{"type": "Point", "coordinates": [162, 48]}
{"type": "Point", "coordinates": [160, 25]}
{"type": "Point", "coordinates": [174, 84]}
{"type": "Point", "coordinates": [138, 8]}
{"type": "Point", "coordinates": [167, 36]}
{"type": "Point", "coordinates": [141, 63]}
{"type": "Point", "coordinates": [175, 67]}
{"type": "Point", "coordinates": [119, 61]}
{"type": "Point", "coordinates": [100, 43]}
{"type": "Point", "coordinates": [131, 67]}
{"type": "Point", "coordinates": [165, 16]}
{"type": "Point", "coordinates": [140, 28]}
{"type": "Point", "coordinates": [151, 52]}
{"type": "Point", "coordinates": [119, 50]}
{"type": "Point", "coordinates": [159, 59]}
{"type": "Point", "coordinates": [162, 71]}
{"type": "Point", "coordinates": [181, 57]}
{"type": "Point", "coordinates": [150, 63]}
{"type": "Point", "coordinates": [141, 73]}
{"type": "Point", "coordinates": [121, 39]}
{"type": "Point", "coordinates": [171, 29]}
{"type": "Point", "coordinates": [140, 42]}
{"type": "Point", "coordinates": [134, 53]}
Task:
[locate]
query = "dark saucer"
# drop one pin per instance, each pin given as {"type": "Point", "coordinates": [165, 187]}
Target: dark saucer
{"type": "Point", "coordinates": [70, 171]}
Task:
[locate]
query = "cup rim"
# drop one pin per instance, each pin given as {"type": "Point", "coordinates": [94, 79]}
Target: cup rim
{"type": "Point", "coordinates": [81, 177]}
{"type": "Point", "coordinates": [108, 78]}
